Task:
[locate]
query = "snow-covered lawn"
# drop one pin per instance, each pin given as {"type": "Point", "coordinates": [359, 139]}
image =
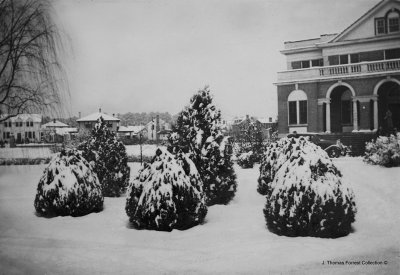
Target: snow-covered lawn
{"type": "Point", "coordinates": [148, 150]}
{"type": "Point", "coordinates": [25, 152]}
{"type": "Point", "coordinates": [234, 238]}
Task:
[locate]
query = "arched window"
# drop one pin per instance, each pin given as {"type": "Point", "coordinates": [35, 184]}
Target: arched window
{"type": "Point", "coordinates": [297, 107]}
{"type": "Point", "coordinates": [393, 22]}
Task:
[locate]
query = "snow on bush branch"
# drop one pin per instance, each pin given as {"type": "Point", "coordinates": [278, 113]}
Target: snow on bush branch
{"type": "Point", "coordinates": [68, 186]}
{"type": "Point", "coordinates": [167, 194]}
{"type": "Point", "coordinates": [109, 159]}
{"type": "Point", "coordinates": [197, 134]}
{"type": "Point", "coordinates": [306, 194]}
{"type": "Point", "coordinates": [384, 151]}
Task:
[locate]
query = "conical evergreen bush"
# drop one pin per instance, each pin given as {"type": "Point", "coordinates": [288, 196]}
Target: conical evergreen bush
{"type": "Point", "coordinates": [68, 186]}
{"type": "Point", "coordinates": [167, 194]}
{"type": "Point", "coordinates": [308, 196]}
{"type": "Point", "coordinates": [197, 133]}
{"type": "Point", "coordinates": [109, 159]}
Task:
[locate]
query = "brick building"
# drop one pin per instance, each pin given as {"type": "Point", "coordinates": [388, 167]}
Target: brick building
{"type": "Point", "coordinates": [346, 82]}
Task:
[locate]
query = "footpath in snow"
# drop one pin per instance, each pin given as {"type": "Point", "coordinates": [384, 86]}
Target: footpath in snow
{"type": "Point", "coordinates": [233, 239]}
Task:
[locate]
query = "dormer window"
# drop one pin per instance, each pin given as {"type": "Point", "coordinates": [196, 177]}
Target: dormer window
{"type": "Point", "coordinates": [393, 22]}
{"type": "Point", "coordinates": [388, 24]}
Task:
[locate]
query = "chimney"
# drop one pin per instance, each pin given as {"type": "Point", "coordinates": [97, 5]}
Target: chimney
{"type": "Point", "coordinates": [54, 120]}
{"type": "Point", "coordinates": [99, 110]}
{"type": "Point", "coordinates": [79, 114]}
{"type": "Point", "coordinates": [270, 119]}
{"type": "Point", "coordinates": [247, 117]}
{"type": "Point", "coordinates": [113, 115]}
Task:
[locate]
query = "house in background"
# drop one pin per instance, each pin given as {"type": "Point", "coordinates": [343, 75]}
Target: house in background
{"type": "Point", "coordinates": [56, 132]}
{"type": "Point", "coordinates": [346, 82]}
{"type": "Point", "coordinates": [86, 124]}
{"type": "Point", "coordinates": [132, 131]}
{"type": "Point", "coordinates": [23, 128]}
{"type": "Point", "coordinates": [242, 124]}
{"type": "Point", "coordinates": [155, 126]}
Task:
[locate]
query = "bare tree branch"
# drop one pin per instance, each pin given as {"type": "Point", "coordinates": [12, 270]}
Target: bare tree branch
{"type": "Point", "coordinates": [32, 78]}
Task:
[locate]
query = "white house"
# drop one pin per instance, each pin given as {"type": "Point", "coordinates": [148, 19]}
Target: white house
{"type": "Point", "coordinates": [23, 127]}
{"type": "Point", "coordinates": [86, 124]}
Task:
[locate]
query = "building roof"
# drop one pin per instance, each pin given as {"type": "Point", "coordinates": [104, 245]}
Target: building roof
{"type": "Point", "coordinates": [55, 124]}
{"type": "Point", "coordinates": [96, 116]}
{"type": "Point", "coordinates": [25, 117]}
{"type": "Point", "coordinates": [359, 20]}
{"type": "Point", "coordinates": [328, 40]}
{"type": "Point", "coordinates": [131, 129]}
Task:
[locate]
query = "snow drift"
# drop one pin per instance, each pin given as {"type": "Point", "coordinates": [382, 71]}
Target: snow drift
{"type": "Point", "coordinates": [68, 186]}
{"type": "Point", "coordinates": [167, 194]}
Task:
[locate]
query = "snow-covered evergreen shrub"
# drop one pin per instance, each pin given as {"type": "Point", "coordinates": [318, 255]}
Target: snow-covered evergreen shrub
{"type": "Point", "coordinates": [251, 139]}
{"type": "Point", "coordinates": [384, 151]}
{"type": "Point", "coordinates": [309, 196]}
{"type": "Point", "coordinates": [198, 134]}
{"type": "Point", "coordinates": [109, 159]}
{"type": "Point", "coordinates": [167, 194]}
{"type": "Point", "coordinates": [68, 186]}
{"type": "Point", "coordinates": [276, 154]}
{"type": "Point", "coordinates": [246, 160]}
{"type": "Point", "coordinates": [217, 171]}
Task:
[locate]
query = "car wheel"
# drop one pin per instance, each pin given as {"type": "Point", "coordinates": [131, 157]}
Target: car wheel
{"type": "Point", "coordinates": [333, 152]}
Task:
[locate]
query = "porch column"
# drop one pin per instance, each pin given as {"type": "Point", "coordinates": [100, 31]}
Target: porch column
{"type": "Point", "coordinates": [328, 116]}
{"type": "Point", "coordinates": [355, 116]}
{"type": "Point", "coordinates": [375, 113]}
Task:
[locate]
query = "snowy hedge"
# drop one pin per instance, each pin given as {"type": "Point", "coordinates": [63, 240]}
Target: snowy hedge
{"type": "Point", "coordinates": [246, 160]}
{"type": "Point", "coordinates": [68, 186]}
{"type": "Point", "coordinates": [108, 158]}
{"type": "Point", "coordinates": [384, 151]}
{"type": "Point", "coordinates": [197, 133]}
{"type": "Point", "coordinates": [308, 196]}
{"type": "Point", "coordinates": [167, 194]}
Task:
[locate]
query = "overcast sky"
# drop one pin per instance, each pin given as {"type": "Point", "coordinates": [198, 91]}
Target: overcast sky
{"type": "Point", "coordinates": [153, 55]}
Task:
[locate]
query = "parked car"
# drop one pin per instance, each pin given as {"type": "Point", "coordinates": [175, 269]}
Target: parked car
{"type": "Point", "coordinates": [333, 148]}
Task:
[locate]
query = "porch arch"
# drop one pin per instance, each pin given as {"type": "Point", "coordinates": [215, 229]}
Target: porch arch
{"type": "Point", "coordinates": [332, 87]}
{"type": "Point", "coordinates": [376, 98]}
{"type": "Point", "coordinates": [328, 105]}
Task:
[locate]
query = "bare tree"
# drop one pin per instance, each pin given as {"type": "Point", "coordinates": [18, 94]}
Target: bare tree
{"type": "Point", "coordinates": [32, 79]}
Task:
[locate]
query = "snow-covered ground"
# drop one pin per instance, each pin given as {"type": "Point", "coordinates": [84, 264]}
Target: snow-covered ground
{"type": "Point", "coordinates": [25, 152]}
{"type": "Point", "coordinates": [234, 238]}
{"type": "Point", "coordinates": [148, 150]}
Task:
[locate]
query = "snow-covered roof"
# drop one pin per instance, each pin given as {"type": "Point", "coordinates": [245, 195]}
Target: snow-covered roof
{"type": "Point", "coordinates": [55, 124]}
{"type": "Point", "coordinates": [25, 117]}
{"type": "Point", "coordinates": [161, 121]}
{"type": "Point", "coordinates": [131, 129]}
{"type": "Point", "coordinates": [96, 116]}
{"type": "Point", "coordinates": [265, 120]}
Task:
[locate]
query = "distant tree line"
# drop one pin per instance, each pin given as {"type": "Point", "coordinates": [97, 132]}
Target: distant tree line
{"type": "Point", "coordinates": [143, 118]}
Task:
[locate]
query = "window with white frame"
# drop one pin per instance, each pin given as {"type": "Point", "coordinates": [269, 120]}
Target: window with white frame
{"type": "Point", "coordinates": [393, 22]}
{"type": "Point", "coordinates": [297, 108]}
